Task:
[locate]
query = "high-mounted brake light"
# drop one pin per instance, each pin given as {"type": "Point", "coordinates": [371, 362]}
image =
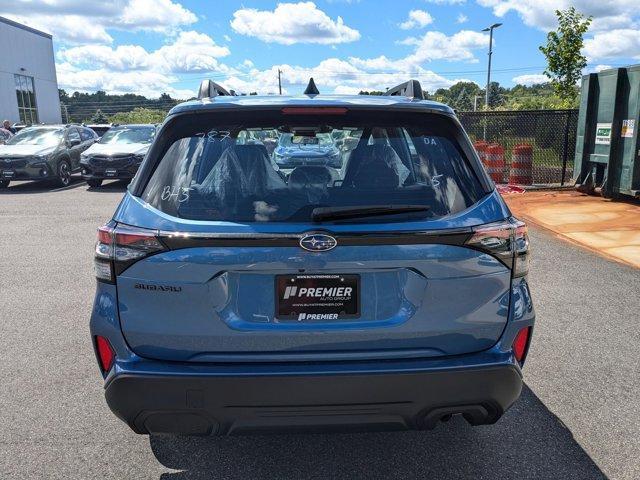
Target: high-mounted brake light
{"type": "Point", "coordinates": [105, 353]}
{"type": "Point", "coordinates": [120, 246]}
{"type": "Point", "coordinates": [520, 344]}
{"type": "Point", "coordinates": [507, 241]}
{"type": "Point", "coordinates": [314, 111]}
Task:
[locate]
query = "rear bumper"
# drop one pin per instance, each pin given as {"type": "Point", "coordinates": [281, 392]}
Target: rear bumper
{"type": "Point", "coordinates": [235, 403]}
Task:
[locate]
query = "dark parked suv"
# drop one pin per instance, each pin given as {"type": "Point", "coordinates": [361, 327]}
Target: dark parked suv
{"type": "Point", "coordinates": [43, 153]}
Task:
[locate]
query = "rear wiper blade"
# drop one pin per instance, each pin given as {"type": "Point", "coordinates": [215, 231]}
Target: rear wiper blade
{"type": "Point", "coordinates": [320, 214]}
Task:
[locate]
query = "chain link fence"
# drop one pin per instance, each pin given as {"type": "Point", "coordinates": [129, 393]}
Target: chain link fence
{"type": "Point", "coordinates": [551, 134]}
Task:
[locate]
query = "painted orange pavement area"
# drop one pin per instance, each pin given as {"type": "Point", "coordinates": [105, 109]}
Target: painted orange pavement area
{"type": "Point", "coordinates": [611, 228]}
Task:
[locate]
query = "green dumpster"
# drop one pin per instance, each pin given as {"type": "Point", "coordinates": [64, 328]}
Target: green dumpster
{"type": "Point", "coordinates": [607, 147]}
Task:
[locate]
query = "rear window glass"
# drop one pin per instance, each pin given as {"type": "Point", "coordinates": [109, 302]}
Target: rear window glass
{"type": "Point", "coordinates": [284, 169]}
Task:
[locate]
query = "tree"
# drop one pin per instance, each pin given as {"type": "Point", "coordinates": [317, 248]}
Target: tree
{"type": "Point", "coordinates": [139, 115]}
{"type": "Point", "coordinates": [496, 95]}
{"type": "Point", "coordinates": [99, 117]}
{"type": "Point", "coordinates": [565, 61]}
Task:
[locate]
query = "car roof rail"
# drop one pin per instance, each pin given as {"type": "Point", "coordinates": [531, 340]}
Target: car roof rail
{"type": "Point", "coordinates": [210, 89]}
{"type": "Point", "coordinates": [412, 89]}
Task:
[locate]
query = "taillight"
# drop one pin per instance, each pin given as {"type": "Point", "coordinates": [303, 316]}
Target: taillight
{"type": "Point", "coordinates": [119, 246]}
{"type": "Point", "coordinates": [105, 353]}
{"type": "Point", "coordinates": [507, 241]}
{"type": "Point", "coordinates": [520, 344]}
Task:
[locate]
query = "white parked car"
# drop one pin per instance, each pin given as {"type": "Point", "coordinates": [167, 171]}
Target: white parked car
{"type": "Point", "coordinates": [118, 153]}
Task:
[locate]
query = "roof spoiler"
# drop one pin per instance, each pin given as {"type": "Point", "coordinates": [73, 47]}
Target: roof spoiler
{"type": "Point", "coordinates": [412, 88]}
{"type": "Point", "coordinates": [210, 89]}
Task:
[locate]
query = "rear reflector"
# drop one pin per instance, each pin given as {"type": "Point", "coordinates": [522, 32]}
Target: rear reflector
{"type": "Point", "coordinates": [105, 353]}
{"type": "Point", "coordinates": [314, 111]}
{"type": "Point", "coordinates": [520, 344]}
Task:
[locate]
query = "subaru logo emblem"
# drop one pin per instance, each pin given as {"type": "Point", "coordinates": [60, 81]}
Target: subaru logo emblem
{"type": "Point", "coordinates": [318, 242]}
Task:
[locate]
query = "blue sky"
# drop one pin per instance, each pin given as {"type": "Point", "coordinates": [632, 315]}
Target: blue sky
{"type": "Point", "coordinates": [155, 46]}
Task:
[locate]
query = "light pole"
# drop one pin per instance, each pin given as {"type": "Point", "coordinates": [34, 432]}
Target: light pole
{"type": "Point", "coordinates": [486, 91]}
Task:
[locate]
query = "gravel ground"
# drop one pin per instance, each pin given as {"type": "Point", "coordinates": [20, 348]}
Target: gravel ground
{"type": "Point", "coordinates": [578, 418]}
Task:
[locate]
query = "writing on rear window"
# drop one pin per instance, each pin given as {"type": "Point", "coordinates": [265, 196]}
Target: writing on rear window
{"type": "Point", "coordinates": [275, 171]}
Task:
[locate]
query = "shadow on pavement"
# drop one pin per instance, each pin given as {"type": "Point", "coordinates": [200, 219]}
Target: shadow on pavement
{"type": "Point", "coordinates": [111, 187]}
{"type": "Point", "coordinates": [39, 186]}
{"type": "Point", "coordinates": [528, 442]}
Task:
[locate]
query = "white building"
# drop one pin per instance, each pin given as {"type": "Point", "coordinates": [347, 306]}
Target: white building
{"type": "Point", "coordinates": [28, 83]}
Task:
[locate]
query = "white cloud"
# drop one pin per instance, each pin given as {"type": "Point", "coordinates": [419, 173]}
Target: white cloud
{"type": "Point", "coordinates": [417, 19]}
{"type": "Point", "coordinates": [76, 21]}
{"type": "Point", "coordinates": [58, 26]}
{"type": "Point", "coordinates": [462, 18]}
{"type": "Point", "coordinates": [292, 23]}
{"type": "Point", "coordinates": [131, 68]}
{"type": "Point", "coordinates": [541, 13]}
{"type": "Point", "coordinates": [159, 15]}
{"type": "Point", "coordinates": [438, 46]}
{"type": "Point", "coordinates": [189, 52]}
{"type": "Point", "coordinates": [431, 46]}
{"type": "Point", "coordinates": [623, 43]}
{"type": "Point", "coordinates": [122, 58]}
{"type": "Point", "coordinates": [529, 80]}
{"type": "Point", "coordinates": [600, 68]}
{"type": "Point", "coordinates": [147, 83]}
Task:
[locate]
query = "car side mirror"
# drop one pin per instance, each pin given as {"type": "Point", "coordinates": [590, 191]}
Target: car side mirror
{"type": "Point", "coordinates": [74, 141]}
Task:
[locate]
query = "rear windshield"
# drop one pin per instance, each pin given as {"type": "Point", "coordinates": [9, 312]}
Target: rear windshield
{"type": "Point", "coordinates": [282, 168]}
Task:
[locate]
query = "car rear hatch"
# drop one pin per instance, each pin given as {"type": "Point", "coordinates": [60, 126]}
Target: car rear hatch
{"type": "Point", "coordinates": [210, 286]}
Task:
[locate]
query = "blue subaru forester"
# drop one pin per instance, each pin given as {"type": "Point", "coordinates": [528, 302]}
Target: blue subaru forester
{"type": "Point", "coordinates": [238, 296]}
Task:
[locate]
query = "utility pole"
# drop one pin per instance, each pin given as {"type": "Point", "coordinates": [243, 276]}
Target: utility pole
{"type": "Point", "coordinates": [279, 82]}
{"type": "Point", "coordinates": [486, 92]}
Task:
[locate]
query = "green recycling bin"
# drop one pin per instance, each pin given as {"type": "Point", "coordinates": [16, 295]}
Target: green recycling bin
{"type": "Point", "coordinates": [607, 146]}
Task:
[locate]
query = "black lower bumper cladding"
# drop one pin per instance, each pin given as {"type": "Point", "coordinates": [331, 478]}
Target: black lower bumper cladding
{"type": "Point", "coordinates": [228, 405]}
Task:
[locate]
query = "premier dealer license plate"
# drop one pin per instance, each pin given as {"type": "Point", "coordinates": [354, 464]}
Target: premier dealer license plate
{"type": "Point", "coordinates": [317, 297]}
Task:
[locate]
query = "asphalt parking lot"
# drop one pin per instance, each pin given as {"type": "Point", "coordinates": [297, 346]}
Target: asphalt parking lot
{"type": "Point", "coordinates": [578, 418]}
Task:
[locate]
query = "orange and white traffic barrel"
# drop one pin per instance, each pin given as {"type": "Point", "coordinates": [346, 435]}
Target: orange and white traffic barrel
{"type": "Point", "coordinates": [481, 148]}
{"type": "Point", "coordinates": [495, 162]}
{"type": "Point", "coordinates": [521, 171]}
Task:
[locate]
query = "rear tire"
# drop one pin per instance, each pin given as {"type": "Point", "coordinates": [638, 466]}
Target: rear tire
{"type": "Point", "coordinates": [64, 174]}
{"type": "Point", "coordinates": [4, 183]}
{"type": "Point", "coordinates": [94, 183]}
